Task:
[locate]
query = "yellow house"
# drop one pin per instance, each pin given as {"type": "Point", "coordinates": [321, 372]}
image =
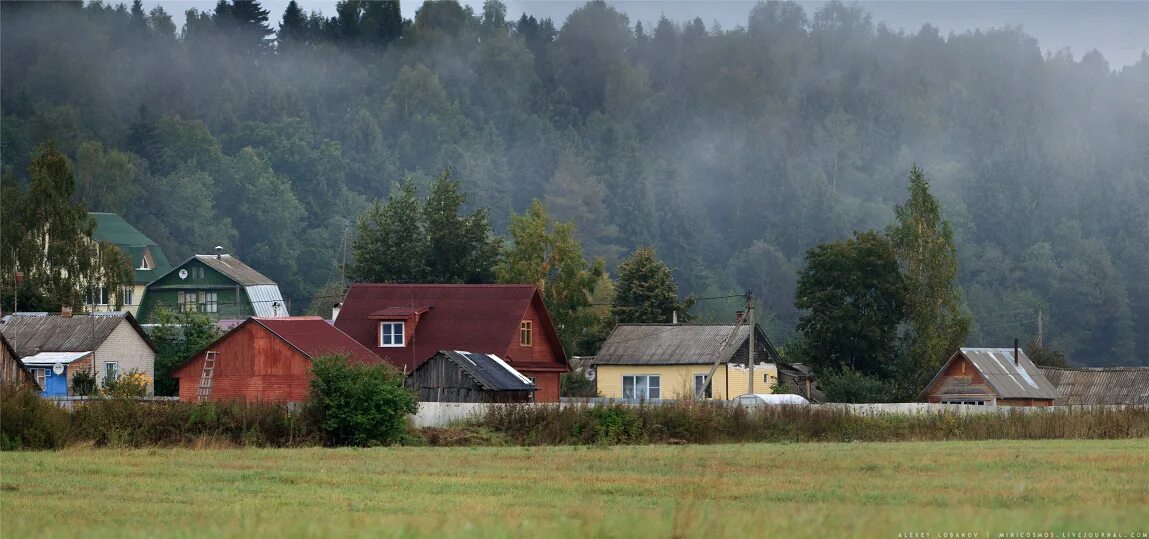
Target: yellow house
{"type": "Point", "coordinates": [671, 361]}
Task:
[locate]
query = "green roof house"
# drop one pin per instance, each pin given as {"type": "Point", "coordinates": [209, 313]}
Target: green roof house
{"type": "Point", "coordinates": [218, 285]}
{"type": "Point", "coordinates": [147, 259]}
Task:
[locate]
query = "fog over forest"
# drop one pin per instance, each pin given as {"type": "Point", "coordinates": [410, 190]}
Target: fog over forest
{"type": "Point", "coordinates": [732, 149]}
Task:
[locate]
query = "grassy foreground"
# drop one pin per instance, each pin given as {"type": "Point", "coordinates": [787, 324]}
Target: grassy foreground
{"type": "Point", "coordinates": [815, 490]}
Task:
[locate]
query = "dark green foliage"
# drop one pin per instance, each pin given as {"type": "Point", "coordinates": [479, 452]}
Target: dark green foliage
{"type": "Point", "coordinates": [731, 150]}
{"type": "Point", "coordinates": [1044, 356]}
{"type": "Point", "coordinates": [849, 385]}
{"type": "Point", "coordinates": [573, 384]}
{"type": "Point", "coordinates": [355, 404]}
{"type": "Point", "coordinates": [408, 240]}
{"type": "Point", "coordinates": [178, 336]}
{"type": "Point", "coordinates": [854, 298]}
{"type": "Point", "coordinates": [646, 292]}
{"type": "Point", "coordinates": [84, 383]}
{"type": "Point", "coordinates": [27, 421]}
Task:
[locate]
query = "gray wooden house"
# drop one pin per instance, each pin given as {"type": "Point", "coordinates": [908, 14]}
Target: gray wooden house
{"type": "Point", "coordinates": [458, 376]}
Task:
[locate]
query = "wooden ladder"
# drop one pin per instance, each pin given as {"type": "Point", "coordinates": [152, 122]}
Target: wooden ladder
{"type": "Point", "coordinates": [207, 375]}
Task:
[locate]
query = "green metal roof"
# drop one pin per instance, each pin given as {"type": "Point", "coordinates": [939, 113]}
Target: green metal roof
{"type": "Point", "coordinates": [112, 228]}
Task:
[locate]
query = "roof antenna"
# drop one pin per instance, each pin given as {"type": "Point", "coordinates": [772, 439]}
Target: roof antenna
{"type": "Point", "coordinates": [218, 252]}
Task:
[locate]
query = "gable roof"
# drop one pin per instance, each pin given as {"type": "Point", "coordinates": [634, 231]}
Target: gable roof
{"type": "Point", "coordinates": [315, 337]}
{"type": "Point", "coordinates": [234, 269]}
{"type": "Point", "coordinates": [1022, 380]}
{"type": "Point", "coordinates": [673, 344]}
{"type": "Point", "coordinates": [112, 228]}
{"type": "Point", "coordinates": [481, 318]}
{"type": "Point", "coordinates": [32, 334]}
{"type": "Point", "coordinates": [1113, 385]}
{"type": "Point", "coordinates": [488, 370]}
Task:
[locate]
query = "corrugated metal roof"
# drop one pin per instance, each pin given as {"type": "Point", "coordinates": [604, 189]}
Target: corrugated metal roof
{"type": "Point", "coordinates": [1114, 385]}
{"type": "Point", "coordinates": [235, 270]}
{"type": "Point", "coordinates": [263, 299]}
{"type": "Point", "coordinates": [1021, 380]}
{"type": "Point", "coordinates": [53, 333]}
{"type": "Point", "coordinates": [313, 336]}
{"type": "Point", "coordinates": [669, 344]}
{"type": "Point", "coordinates": [489, 371]}
{"type": "Point", "coordinates": [52, 358]}
{"type": "Point", "coordinates": [478, 318]}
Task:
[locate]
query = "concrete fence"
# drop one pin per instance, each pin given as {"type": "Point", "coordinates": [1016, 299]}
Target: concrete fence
{"type": "Point", "coordinates": [67, 402]}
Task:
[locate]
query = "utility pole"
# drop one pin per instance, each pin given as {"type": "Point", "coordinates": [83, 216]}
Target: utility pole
{"type": "Point", "coordinates": [1040, 328]}
{"type": "Point", "coordinates": [750, 356]}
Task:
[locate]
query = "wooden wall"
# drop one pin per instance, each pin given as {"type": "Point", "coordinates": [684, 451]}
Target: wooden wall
{"type": "Point", "coordinates": [440, 380]}
{"type": "Point", "coordinates": [542, 359]}
{"type": "Point", "coordinates": [960, 379]}
{"type": "Point", "coordinates": [253, 365]}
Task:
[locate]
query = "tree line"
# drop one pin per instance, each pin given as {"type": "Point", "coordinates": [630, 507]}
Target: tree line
{"type": "Point", "coordinates": [730, 151]}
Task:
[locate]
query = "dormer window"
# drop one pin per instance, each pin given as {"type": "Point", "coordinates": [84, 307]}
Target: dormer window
{"type": "Point", "coordinates": [391, 334]}
{"type": "Point", "coordinates": [525, 333]}
{"type": "Point", "coordinates": [145, 262]}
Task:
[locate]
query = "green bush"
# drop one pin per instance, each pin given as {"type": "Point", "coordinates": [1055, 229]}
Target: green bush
{"type": "Point", "coordinates": [83, 384]}
{"type": "Point", "coordinates": [356, 404]}
{"type": "Point", "coordinates": [27, 421]}
{"type": "Point", "coordinates": [848, 385]}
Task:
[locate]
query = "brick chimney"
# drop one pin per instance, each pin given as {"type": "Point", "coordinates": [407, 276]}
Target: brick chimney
{"type": "Point", "coordinates": [66, 311]}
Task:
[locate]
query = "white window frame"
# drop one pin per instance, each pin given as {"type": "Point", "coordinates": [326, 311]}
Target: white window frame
{"type": "Point", "coordinates": [129, 295]}
{"type": "Point", "coordinates": [209, 301]}
{"type": "Point", "coordinates": [41, 376]}
{"type": "Point", "coordinates": [645, 386]}
{"type": "Point", "coordinates": [98, 295]}
{"type": "Point", "coordinates": [115, 370]}
{"type": "Point", "coordinates": [698, 379]}
{"type": "Point", "coordinates": [398, 339]}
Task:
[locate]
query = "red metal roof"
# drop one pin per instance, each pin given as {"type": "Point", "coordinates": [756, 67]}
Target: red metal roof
{"type": "Point", "coordinates": [316, 337]}
{"type": "Point", "coordinates": [476, 318]}
{"type": "Point", "coordinates": [399, 312]}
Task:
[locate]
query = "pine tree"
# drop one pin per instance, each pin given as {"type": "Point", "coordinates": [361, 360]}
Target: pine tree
{"type": "Point", "coordinates": [391, 244]}
{"type": "Point", "coordinates": [461, 249]}
{"type": "Point", "coordinates": [292, 28]}
{"type": "Point", "coordinates": [383, 22]}
{"type": "Point", "coordinates": [645, 291]}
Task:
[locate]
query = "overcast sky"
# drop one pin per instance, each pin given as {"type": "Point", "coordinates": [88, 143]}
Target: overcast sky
{"type": "Point", "coordinates": [1120, 30]}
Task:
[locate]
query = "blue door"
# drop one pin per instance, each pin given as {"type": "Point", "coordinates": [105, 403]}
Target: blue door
{"type": "Point", "coordinates": [55, 384]}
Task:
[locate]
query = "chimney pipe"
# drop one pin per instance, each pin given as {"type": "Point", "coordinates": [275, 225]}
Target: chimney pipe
{"type": "Point", "coordinates": [674, 317]}
{"type": "Point", "coordinates": [218, 252]}
{"type": "Point", "coordinates": [738, 316]}
{"type": "Point", "coordinates": [335, 311]}
{"type": "Point", "coordinates": [66, 311]}
{"type": "Point", "coordinates": [1016, 356]}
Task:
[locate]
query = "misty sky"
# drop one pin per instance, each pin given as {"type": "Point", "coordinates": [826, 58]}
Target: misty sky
{"type": "Point", "coordinates": [1120, 30]}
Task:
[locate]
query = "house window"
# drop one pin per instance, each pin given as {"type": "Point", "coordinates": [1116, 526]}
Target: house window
{"type": "Point", "coordinates": [391, 334]}
{"type": "Point", "coordinates": [525, 333]}
{"type": "Point", "coordinates": [765, 378]}
{"type": "Point", "coordinates": [209, 302]}
{"type": "Point", "coordinates": [129, 295]}
{"type": "Point", "coordinates": [98, 295]}
{"type": "Point", "coordinates": [187, 301]}
{"type": "Point", "coordinates": [641, 387]}
{"type": "Point", "coordinates": [144, 263]}
{"type": "Point", "coordinates": [111, 371]}
{"type": "Point", "coordinates": [698, 380]}
{"type": "Point", "coordinates": [41, 376]}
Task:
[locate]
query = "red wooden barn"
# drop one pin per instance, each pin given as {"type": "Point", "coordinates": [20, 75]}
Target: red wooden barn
{"type": "Point", "coordinates": [268, 359]}
{"type": "Point", "coordinates": [406, 324]}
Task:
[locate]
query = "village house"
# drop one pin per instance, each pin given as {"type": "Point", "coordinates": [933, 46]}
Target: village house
{"type": "Point", "coordinates": [220, 286]}
{"type": "Point", "coordinates": [1099, 386]}
{"type": "Point", "coordinates": [406, 324]}
{"type": "Point", "coordinates": [990, 377]}
{"type": "Point", "coordinates": [148, 262]}
{"type": "Point", "coordinates": [458, 376]}
{"type": "Point", "coordinates": [265, 359]}
{"type": "Point", "coordinates": [56, 347]}
{"type": "Point", "coordinates": [671, 361]}
{"type": "Point", "coordinates": [12, 370]}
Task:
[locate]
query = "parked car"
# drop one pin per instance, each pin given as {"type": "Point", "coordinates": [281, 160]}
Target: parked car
{"type": "Point", "coordinates": [760, 399]}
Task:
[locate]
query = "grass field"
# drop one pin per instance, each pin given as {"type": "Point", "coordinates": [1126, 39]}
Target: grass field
{"type": "Point", "coordinates": [782, 490]}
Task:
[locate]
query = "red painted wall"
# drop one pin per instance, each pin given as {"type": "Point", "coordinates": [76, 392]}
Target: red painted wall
{"type": "Point", "coordinates": [539, 360]}
{"type": "Point", "coordinates": [253, 365]}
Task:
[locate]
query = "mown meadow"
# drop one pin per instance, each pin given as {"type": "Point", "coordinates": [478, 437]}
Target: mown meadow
{"type": "Point", "coordinates": [753, 490]}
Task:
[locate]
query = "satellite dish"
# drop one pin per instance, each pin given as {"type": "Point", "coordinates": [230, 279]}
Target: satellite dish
{"type": "Point", "coordinates": [183, 274]}
{"type": "Point", "coordinates": [590, 373]}
{"type": "Point", "coordinates": [58, 368]}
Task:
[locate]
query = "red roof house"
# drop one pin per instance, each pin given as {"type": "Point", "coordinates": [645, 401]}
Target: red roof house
{"type": "Point", "coordinates": [268, 359]}
{"type": "Point", "coordinates": [406, 324]}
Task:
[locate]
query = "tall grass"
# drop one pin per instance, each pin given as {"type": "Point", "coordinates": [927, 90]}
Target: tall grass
{"type": "Point", "coordinates": [704, 423]}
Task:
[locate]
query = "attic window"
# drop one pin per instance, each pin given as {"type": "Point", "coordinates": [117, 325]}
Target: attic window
{"type": "Point", "coordinates": [391, 334]}
{"type": "Point", "coordinates": [525, 333]}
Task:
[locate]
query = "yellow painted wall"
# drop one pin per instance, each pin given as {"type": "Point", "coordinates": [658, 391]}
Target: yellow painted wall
{"type": "Point", "coordinates": [137, 296]}
{"type": "Point", "coordinates": [677, 381]}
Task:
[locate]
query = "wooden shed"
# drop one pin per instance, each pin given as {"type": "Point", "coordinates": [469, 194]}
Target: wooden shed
{"type": "Point", "coordinates": [267, 359]}
{"type": "Point", "coordinates": [990, 377]}
{"type": "Point", "coordinates": [458, 376]}
{"type": "Point", "coordinates": [12, 370]}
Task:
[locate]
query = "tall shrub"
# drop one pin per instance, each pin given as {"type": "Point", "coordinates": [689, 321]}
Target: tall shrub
{"type": "Point", "coordinates": [356, 404]}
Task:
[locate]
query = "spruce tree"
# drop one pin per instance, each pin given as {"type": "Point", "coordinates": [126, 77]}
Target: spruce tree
{"type": "Point", "coordinates": [646, 292]}
{"type": "Point", "coordinates": [292, 28]}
